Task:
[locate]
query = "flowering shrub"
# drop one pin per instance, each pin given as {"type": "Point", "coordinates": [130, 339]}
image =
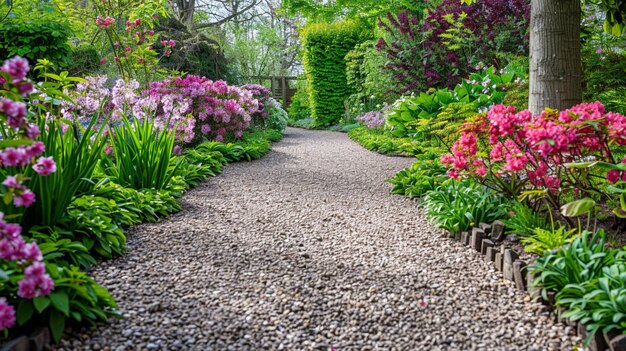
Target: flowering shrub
{"type": "Point", "coordinates": [132, 46]}
{"type": "Point", "coordinates": [202, 107]}
{"type": "Point", "coordinates": [260, 93]}
{"type": "Point", "coordinates": [444, 46]}
{"type": "Point", "coordinates": [508, 148]}
{"type": "Point", "coordinates": [195, 106]}
{"type": "Point", "coordinates": [23, 275]}
{"type": "Point", "coordinates": [372, 119]}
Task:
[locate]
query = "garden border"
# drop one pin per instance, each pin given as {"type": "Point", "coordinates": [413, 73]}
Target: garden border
{"type": "Point", "coordinates": [488, 240]}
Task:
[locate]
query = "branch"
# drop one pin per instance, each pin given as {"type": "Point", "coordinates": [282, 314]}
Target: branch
{"type": "Point", "coordinates": [227, 18]}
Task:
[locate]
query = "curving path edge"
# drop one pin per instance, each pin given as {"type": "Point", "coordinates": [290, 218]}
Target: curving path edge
{"type": "Point", "coordinates": [303, 250]}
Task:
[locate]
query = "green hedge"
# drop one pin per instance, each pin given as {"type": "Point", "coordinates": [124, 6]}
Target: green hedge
{"type": "Point", "coordinates": [36, 32]}
{"type": "Point", "coordinates": [325, 47]}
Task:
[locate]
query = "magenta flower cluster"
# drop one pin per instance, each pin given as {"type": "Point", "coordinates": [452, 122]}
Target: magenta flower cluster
{"type": "Point", "coordinates": [537, 148]}
{"type": "Point", "coordinates": [206, 108]}
{"type": "Point", "coordinates": [17, 256]}
{"type": "Point", "coordinates": [372, 119]}
{"type": "Point", "coordinates": [196, 106]}
{"type": "Point", "coordinates": [260, 93]}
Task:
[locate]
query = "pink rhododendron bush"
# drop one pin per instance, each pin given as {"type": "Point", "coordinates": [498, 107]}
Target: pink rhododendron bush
{"type": "Point", "coordinates": [195, 106]}
{"type": "Point", "coordinates": [515, 151]}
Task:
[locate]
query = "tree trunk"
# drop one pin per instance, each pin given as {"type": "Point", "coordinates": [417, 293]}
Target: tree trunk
{"type": "Point", "coordinates": [555, 63]}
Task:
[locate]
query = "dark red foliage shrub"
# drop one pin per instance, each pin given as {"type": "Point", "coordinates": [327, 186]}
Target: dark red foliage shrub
{"type": "Point", "coordinates": [451, 40]}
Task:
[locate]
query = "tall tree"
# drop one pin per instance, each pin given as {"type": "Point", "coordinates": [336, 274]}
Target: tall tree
{"type": "Point", "coordinates": [555, 60]}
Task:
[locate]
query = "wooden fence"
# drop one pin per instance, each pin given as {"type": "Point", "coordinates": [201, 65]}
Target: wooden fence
{"type": "Point", "coordinates": [279, 86]}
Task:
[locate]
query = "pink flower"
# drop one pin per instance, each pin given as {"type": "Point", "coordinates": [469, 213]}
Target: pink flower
{"type": "Point", "coordinates": [32, 131]}
{"type": "Point", "coordinates": [26, 198]}
{"type": "Point", "coordinates": [7, 314]}
{"type": "Point", "coordinates": [446, 159]}
{"type": "Point", "coordinates": [25, 88]}
{"type": "Point", "coordinates": [172, 43]}
{"type": "Point", "coordinates": [45, 166]}
{"type": "Point", "coordinates": [36, 282]}
{"type": "Point", "coordinates": [31, 252]}
{"type": "Point", "coordinates": [103, 61]}
{"type": "Point", "coordinates": [11, 182]}
{"type": "Point", "coordinates": [13, 157]}
{"type": "Point", "coordinates": [36, 149]}
{"type": "Point", "coordinates": [612, 176]}
{"type": "Point", "coordinates": [17, 67]}
{"type": "Point", "coordinates": [15, 112]}
{"type": "Point", "coordinates": [106, 23]}
{"type": "Point", "coordinates": [205, 129]}
{"type": "Point", "coordinates": [151, 33]}
{"type": "Point", "coordinates": [599, 51]}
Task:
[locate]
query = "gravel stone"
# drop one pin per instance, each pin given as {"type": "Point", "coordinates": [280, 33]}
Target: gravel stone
{"type": "Point", "coordinates": [303, 250]}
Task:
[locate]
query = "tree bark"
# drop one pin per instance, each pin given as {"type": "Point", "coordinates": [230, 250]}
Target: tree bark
{"type": "Point", "coordinates": [555, 62]}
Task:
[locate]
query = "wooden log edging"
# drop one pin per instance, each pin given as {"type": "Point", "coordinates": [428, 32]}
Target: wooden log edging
{"type": "Point", "coordinates": [487, 240]}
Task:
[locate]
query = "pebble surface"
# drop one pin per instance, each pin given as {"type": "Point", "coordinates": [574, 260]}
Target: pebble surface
{"type": "Point", "coordinates": [303, 250]}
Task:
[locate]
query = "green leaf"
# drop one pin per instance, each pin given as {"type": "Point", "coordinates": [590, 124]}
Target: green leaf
{"type": "Point", "coordinates": [14, 143]}
{"type": "Point", "coordinates": [3, 275]}
{"type": "Point", "coordinates": [24, 311]}
{"type": "Point", "coordinates": [578, 207]}
{"type": "Point", "coordinates": [57, 325]}
{"type": "Point", "coordinates": [61, 302]}
{"type": "Point", "coordinates": [41, 303]}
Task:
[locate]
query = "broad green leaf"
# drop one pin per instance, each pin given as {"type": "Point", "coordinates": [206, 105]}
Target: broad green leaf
{"type": "Point", "coordinates": [578, 207]}
{"type": "Point", "coordinates": [57, 325]}
{"type": "Point", "coordinates": [41, 303]}
{"type": "Point", "coordinates": [61, 302]}
{"type": "Point", "coordinates": [24, 311]}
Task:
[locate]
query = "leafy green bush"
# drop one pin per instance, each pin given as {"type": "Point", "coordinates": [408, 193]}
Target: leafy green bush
{"type": "Point", "coordinates": [577, 262]}
{"type": "Point", "coordinates": [300, 107]}
{"type": "Point", "coordinates": [277, 117]}
{"type": "Point", "coordinates": [379, 141]}
{"type": "Point", "coordinates": [599, 304]}
{"type": "Point", "coordinates": [85, 61]}
{"type": "Point", "coordinates": [76, 154]}
{"type": "Point", "coordinates": [422, 177]}
{"type": "Point", "coordinates": [96, 222]}
{"type": "Point", "coordinates": [364, 71]}
{"type": "Point", "coordinates": [325, 47]}
{"type": "Point", "coordinates": [482, 89]}
{"type": "Point", "coordinates": [36, 30]}
{"type": "Point", "coordinates": [523, 220]}
{"type": "Point", "coordinates": [58, 246]}
{"type": "Point", "coordinates": [541, 240]}
{"type": "Point", "coordinates": [142, 155]}
{"type": "Point", "coordinates": [76, 297]}
{"type": "Point", "coordinates": [257, 143]}
{"type": "Point", "coordinates": [459, 206]}
{"type": "Point", "coordinates": [589, 279]}
{"type": "Point", "coordinates": [444, 128]}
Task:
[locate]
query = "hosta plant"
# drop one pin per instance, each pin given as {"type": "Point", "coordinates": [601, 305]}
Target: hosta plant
{"type": "Point", "coordinates": [575, 263]}
{"type": "Point", "coordinates": [417, 180]}
{"type": "Point", "coordinates": [600, 303]}
{"type": "Point", "coordinates": [459, 206]}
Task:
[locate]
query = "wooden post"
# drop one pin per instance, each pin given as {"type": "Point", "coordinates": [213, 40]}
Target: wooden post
{"type": "Point", "coordinates": [284, 87]}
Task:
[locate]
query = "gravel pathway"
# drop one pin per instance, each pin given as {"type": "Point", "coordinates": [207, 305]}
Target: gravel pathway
{"type": "Point", "coordinates": [302, 250]}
